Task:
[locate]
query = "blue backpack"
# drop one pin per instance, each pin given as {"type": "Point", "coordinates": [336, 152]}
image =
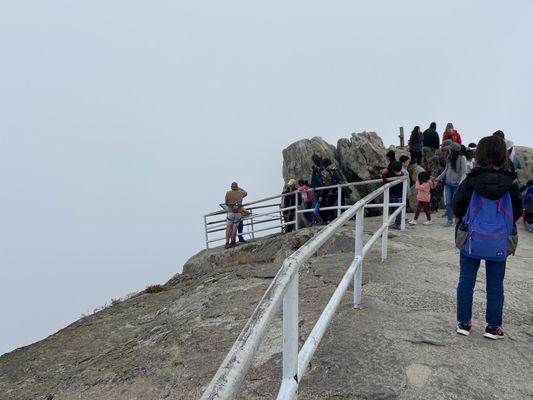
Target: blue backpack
{"type": "Point", "coordinates": [488, 232]}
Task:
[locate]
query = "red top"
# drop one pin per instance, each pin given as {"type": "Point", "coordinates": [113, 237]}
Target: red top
{"type": "Point", "coordinates": [454, 136]}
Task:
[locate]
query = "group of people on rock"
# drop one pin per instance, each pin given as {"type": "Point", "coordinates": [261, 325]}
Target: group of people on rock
{"type": "Point", "coordinates": [314, 201]}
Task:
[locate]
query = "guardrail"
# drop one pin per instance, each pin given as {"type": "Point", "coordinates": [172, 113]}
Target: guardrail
{"type": "Point", "coordinates": [284, 289]}
{"type": "Point", "coordinates": [267, 214]}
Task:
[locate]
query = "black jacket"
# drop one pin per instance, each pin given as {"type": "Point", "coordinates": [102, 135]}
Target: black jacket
{"type": "Point", "coordinates": [431, 138]}
{"type": "Point", "coordinates": [490, 184]}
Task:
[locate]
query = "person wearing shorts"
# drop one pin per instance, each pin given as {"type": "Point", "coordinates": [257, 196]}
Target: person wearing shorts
{"type": "Point", "coordinates": [234, 214]}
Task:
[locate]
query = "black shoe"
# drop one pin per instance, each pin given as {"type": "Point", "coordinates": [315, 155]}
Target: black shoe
{"type": "Point", "coordinates": [464, 329]}
{"type": "Point", "coordinates": [493, 332]}
{"type": "Point", "coordinates": [232, 244]}
{"type": "Point", "coordinates": [241, 240]}
{"type": "Point", "coordinates": [227, 246]}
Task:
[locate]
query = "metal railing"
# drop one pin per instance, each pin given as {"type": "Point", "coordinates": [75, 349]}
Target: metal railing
{"type": "Point", "coordinates": [267, 215]}
{"type": "Point", "coordinates": [284, 290]}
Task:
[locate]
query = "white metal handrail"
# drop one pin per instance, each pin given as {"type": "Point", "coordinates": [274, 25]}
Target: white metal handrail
{"type": "Point", "coordinates": [284, 289]}
{"type": "Point", "coordinates": [273, 212]}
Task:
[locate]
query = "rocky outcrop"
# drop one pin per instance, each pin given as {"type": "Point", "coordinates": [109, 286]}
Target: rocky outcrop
{"type": "Point", "coordinates": [526, 157]}
{"type": "Point", "coordinates": [361, 156]}
{"type": "Point", "coordinates": [400, 345]}
{"type": "Point", "coordinates": [297, 162]}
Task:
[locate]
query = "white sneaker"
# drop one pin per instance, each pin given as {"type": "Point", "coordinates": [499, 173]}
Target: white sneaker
{"type": "Point", "coordinates": [428, 223]}
{"type": "Point", "coordinates": [412, 222]}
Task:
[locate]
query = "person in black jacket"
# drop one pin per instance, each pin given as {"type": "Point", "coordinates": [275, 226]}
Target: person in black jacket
{"type": "Point", "coordinates": [431, 141]}
{"type": "Point", "coordinates": [492, 181]}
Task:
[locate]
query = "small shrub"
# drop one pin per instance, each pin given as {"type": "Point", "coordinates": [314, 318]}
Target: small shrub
{"type": "Point", "coordinates": [154, 289]}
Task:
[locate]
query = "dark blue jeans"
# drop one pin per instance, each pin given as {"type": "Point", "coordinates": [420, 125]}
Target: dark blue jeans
{"type": "Point", "coordinates": [240, 229]}
{"type": "Point", "coordinates": [495, 272]}
{"type": "Point", "coordinates": [449, 192]}
{"type": "Point", "coordinates": [398, 220]}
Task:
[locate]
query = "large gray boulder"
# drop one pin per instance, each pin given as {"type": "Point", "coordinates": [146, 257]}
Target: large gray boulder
{"type": "Point", "coordinates": [526, 156]}
{"type": "Point", "coordinates": [297, 162]}
{"type": "Point", "coordinates": [361, 156]}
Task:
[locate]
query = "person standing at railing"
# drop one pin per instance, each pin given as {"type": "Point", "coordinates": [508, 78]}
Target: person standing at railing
{"type": "Point", "coordinates": [330, 176]}
{"type": "Point", "coordinates": [233, 201]}
{"type": "Point", "coordinates": [395, 192]}
{"type": "Point", "coordinates": [289, 201]}
{"type": "Point", "coordinates": [316, 182]}
{"type": "Point", "coordinates": [307, 198]}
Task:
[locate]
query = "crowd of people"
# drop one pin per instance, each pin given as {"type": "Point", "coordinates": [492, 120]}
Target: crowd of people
{"type": "Point", "coordinates": [315, 201]}
{"type": "Point", "coordinates": [480, 189]}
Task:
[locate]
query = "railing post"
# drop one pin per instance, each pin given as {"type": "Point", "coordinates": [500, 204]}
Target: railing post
{"type": "Point", "coordinates": [339, 200]}
{"type": "Point", "coordinates": [290, 330]}
{"type": "Point", "coordinates": [404, 202]}
{"type": "Point", "coordinates": [385, 235]}
{"type": "Point", "coordinates": [252, 226]}
{"type": "Point", "coordinates": [358, 277]}
{"type": "Point", "coordinates": [206, 234]}
{"type": "Point", "coordinates": [297, 225]}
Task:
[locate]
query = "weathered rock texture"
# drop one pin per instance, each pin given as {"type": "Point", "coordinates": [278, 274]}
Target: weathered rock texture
{"type": "Point", "coordinates": [400, 345]}
{"type": "Point", "coordinates": [359, 157]}
{"type": "Point", "coordinates": [526, 156]}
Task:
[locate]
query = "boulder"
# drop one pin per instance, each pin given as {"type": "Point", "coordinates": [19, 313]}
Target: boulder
{"type": "Point", "coordinates": [297, 162]}
{"type": "Point", "coordinates": [361, 156]}
{"type": "Point", "coordinates": [526, 157]}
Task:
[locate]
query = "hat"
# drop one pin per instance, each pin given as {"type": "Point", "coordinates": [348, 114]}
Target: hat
{"type": "Point", "coordinates": [446, 143]}
{"type": "Point", "coordinates": [472, 146]}
{"type": "Point", "coordinates": [292, 182]}
{"type": "Point", "coordinates": [234, 185]}
{"type": "Point", "coordinates": [509, 144]}
{"type": "Point", "coordinates": [455, 147]}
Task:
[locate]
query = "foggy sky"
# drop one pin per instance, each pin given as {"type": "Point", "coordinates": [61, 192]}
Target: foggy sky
{"type": "Point", "coordinates": [123, 122]}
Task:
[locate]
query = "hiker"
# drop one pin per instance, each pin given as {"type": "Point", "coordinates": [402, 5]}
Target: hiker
{"type": "Point", "coordinates": [488, 204]}
{"type": "Point", "coordinates": [391, 157]}
{"type": "Point", "coordinates": [528, 206]}
{"type": "Point", "coordinates": [316, 182]}
{"type": "Point", "coordinates": [395, 192]}
{"type": "Point", "coordinates": [233, 202]}
{"type": "Point", "coordinates": [416, 141]}
{"type": "Point", "coordinates": [431, 142]}
{"type": "Point", "coordinates": [469, 158]}
{"type": "Point", "coordinates": [405, 165]}
{"type": "Point", "coordinates": [245, 213]}
{"type": "Point", "coordinates": [452, 134]}
{"type": "Point", "coordinates": [453, 175]}
{"type": "Point", "coordinates": [423, 186]}
{"type": "Point", "coordinates": [330, 176]}
{"type": "Point", "coordinates": [514, 161]}
{"type": "Point", "coordinates": [289, 201]}
{"type": "Point", "coordinates": [307, 197]}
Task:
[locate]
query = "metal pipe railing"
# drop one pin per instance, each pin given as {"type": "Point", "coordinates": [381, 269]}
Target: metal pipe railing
{"type": "Point", "coordinates": [219, 225]}
{"type": "Point", "coordinates": [284, 290]}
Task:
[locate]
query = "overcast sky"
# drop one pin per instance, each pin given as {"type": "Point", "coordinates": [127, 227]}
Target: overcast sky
{"type": "Point", "coordinates": [123, 122]}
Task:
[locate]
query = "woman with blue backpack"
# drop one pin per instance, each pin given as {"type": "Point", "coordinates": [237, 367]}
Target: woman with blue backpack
{"type": "Point", "coordinates": [488, 203]}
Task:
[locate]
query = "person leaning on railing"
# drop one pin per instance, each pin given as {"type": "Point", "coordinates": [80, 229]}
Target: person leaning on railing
{"type": "Point", "coordinates": [233, 201]}
{"type": "Point", "coordinates": [396, 192]}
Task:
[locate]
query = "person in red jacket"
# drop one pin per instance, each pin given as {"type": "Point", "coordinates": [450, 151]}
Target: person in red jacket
{"type": "Point", "coordinates": [452, 134]}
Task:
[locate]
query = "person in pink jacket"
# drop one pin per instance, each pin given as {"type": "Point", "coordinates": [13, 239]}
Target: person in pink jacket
{"type": "Point", "coordinates": [423, 186]}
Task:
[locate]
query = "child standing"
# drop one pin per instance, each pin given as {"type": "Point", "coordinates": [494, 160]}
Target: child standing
{"type": "Point", "coordinates": [307, 197]}
{"type": "Point", "coordinates": [423, 186]}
